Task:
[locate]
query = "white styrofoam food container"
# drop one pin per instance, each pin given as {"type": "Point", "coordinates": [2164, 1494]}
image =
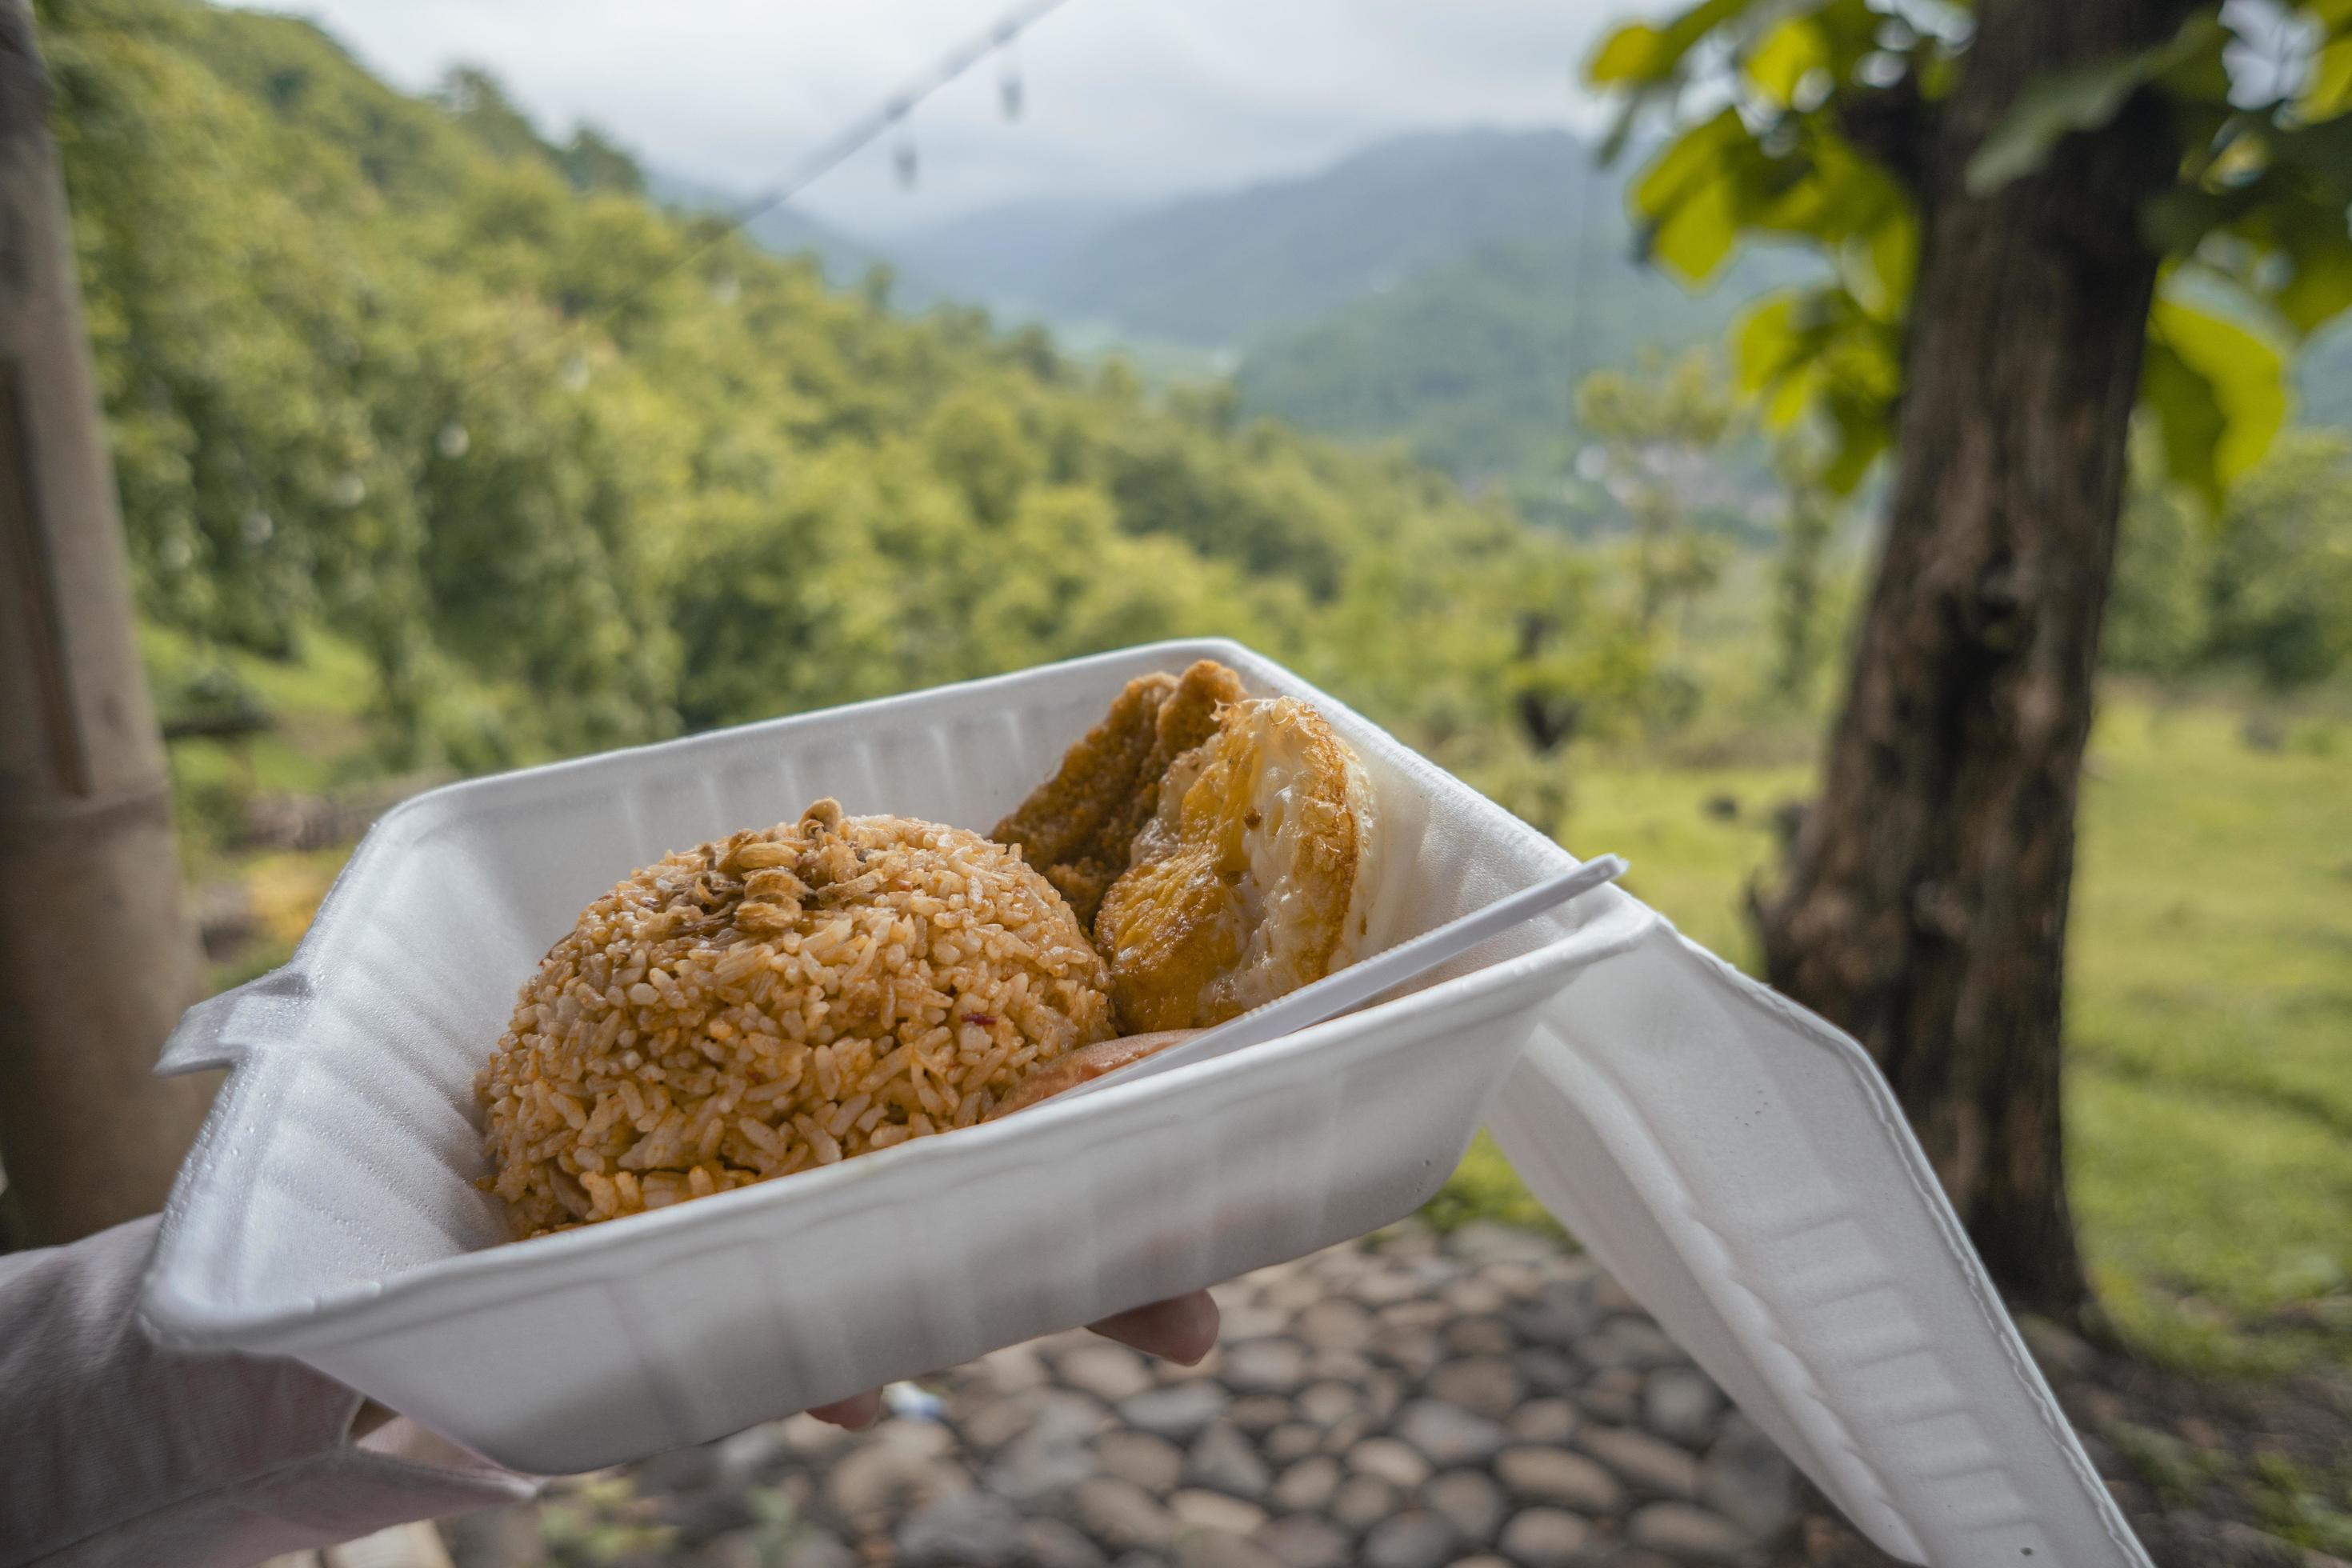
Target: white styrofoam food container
{"type": "Point", "coordinates": [1735, 1162]}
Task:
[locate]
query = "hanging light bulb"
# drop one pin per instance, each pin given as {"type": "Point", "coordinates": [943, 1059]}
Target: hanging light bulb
{"type": "Point", "coordinates": [1008, 76]}
{"type": "Point", "coordinates": [902, 147]}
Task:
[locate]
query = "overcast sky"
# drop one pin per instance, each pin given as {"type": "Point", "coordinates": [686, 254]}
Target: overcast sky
{"type": "Point", "coordinates": [1128, 98]}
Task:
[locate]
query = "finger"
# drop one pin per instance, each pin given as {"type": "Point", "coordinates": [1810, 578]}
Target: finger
{"type": "Point", "coordinates": [1182, 1330]}
{"type": "Point", "coordinates": [857, 1413]}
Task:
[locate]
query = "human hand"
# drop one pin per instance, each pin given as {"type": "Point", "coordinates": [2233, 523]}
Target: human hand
{"type": "Point", "coordinates": [124, 1451]}
{"type": "Point", "coordinates": [1183, 1329]}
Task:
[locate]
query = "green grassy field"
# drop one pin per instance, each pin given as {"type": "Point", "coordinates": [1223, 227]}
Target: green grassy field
{"type": "Point", "coordinates": [318, 702]}
{"type": "Point", "coordinates": [2210, 1035]}
{"type": "Point", "coordinates": [2209, 1021]}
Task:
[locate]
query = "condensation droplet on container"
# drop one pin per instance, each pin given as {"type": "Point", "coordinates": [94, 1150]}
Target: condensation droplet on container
{"type": "Point", "coordinates": [452, 440]}
{"type": "Point", "coordinates": [256, 528]}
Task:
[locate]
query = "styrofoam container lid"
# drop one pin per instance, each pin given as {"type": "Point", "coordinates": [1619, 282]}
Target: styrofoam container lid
{"type": "Point", "coordinates": [1738, 1164]}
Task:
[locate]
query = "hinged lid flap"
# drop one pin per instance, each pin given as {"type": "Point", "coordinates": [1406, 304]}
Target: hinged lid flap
{"type": "Point", "coordinates": [1744, 1171]}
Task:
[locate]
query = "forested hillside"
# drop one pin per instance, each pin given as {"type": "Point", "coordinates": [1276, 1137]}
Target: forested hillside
{"type": "Point", "coordinates": [1232, 268]}
{"type": "Point", "coordinates": [1228, 267]}
{"type": "Point", "coordinates": [1474, 365]}
{"type": "Point", "coordinates": [1007, 256]}
{"type": "Point", "coordinates": [570, 471]}
{"type": "Point", "coordinates": [573, 471]}
{"type": "Point", "coordinates": [844, 258]}
{"type": "Point", "coordinates": [1447, 290]}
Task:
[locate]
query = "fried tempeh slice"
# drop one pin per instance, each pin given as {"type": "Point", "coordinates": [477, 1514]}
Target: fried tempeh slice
{"type": "Point", "coordinates": [1078, 826]}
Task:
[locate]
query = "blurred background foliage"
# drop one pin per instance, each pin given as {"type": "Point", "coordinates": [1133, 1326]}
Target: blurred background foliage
{"type": "Point", "coordinates": [393, 368]}
{"type": "Point", "coordinates": [442, 448]}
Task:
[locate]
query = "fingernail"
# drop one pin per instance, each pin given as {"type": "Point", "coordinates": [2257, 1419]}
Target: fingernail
{"type": "Point", "coordinates": [1203, 1334]}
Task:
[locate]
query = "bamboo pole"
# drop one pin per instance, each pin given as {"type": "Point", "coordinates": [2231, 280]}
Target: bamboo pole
{"type": "Point", "coordinates": [97, 960]}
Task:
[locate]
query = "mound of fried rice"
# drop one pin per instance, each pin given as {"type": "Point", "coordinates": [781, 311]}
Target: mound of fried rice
{"type": "Point", "coordinates": [784, 999]}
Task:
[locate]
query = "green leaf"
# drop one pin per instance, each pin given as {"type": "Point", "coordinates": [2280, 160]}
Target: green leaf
{"type": "Point", "coordinates": [2320, 288]}
{"type": "Point", "coordinates": [1894, 257]}
{"type": "Point", "coordinates": [1690, 197]}
{"type": "Point", "coordinates": [2329, 91]}
{"type": "Point", "coordinates": [2218, 394]}
{"type": "Point", "coordinates": [1850, 30]}
{"type": "Point", "coordinates": [2081, 99]}
{"type": "Point", "coordinates": [1689, 159]}
{"type": "Point", "coordinates": [2178, 220]}
{"type": "Point", "coordinates": [1788, 53]}
{"type": "Point", "coordinates": [1768, 351]}
{"type": "Point", "coordinates": [1695, 239]}
{"type": "Point", "coordinates": [2192, 68]}
{"type": "Point", "coordinates": [2188, 416]}
{"type": "Point", "coordinates": [1817, 351]}
{"type": "Point", "coordinates": [1824, 192]}
{"type": "Point", "coordinates": [1862, 436]}
{"type": "Point", "coordinates": [1636, 52]}
{"type": "Point", "coordinates": [2321, 151]}
{"type": "Point", "coordinates": [2046, 109]}
{"type": "Point", "coordinates": [2289, 243]}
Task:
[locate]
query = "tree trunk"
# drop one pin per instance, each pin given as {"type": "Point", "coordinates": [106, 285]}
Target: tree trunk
{"type": "Point", "coordinates": [96, 959]}
{"type": "Point", "coordinates": [1925, 904]}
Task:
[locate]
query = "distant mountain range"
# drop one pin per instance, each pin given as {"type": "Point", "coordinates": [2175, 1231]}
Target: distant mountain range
{"type": "Point", "coordinates": [1448, 288]}
{"type": "Point", "coordinates": [1445, 288]}
{"type": "Point", "coordinates": [1474, 362]}
{"type": "Point", "coordinates": [1219, 272]}
{"type": "Point", "coordinates": [1010, 257]}
{"type": "Point", "coordinates": [1229, 268]}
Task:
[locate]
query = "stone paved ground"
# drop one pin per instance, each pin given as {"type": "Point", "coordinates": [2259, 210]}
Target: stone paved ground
{"type": "Point", "coordinates": [1487, 1399]}
{"type": "Point", "coordinates": [1477, 1401]}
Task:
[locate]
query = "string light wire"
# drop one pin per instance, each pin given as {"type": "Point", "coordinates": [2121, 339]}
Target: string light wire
{"type": "Point", "coordinates": [836, 150]}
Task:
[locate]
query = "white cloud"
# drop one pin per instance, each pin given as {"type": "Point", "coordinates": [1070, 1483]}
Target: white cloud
{"type": "Point", "coordinates": [1138, 97]}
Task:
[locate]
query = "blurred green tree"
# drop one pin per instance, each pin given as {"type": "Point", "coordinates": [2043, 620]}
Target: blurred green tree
{"type": "Point", "coordinates": [2017, 196]}
{"type": "Point", "coordinates": [2280, 594]}
{"type": "Point", "coordinates": [2266, 587]}
{"type": "Point", "coordinates": [2159, 620]}
{"type": "Point", "coordinates": [574, 471]}
{"type": "Point", "coordinates": [1659, 427]}
{"type": "Point", "coordinates": [1798, 616]}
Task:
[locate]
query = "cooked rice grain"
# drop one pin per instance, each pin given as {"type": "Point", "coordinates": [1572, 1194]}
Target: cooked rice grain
{"type": "Point", "coordinates": [783, 999]}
